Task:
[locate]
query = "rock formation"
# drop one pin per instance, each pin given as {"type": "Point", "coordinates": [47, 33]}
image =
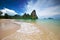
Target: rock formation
{"type": "Point", "coordinates": [33, 15]}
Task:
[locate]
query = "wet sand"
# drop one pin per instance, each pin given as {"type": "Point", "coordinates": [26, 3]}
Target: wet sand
{"type": "Point", "coordinates": [7, 27]}
{"type": "Point", "coordinates": [24, 31]}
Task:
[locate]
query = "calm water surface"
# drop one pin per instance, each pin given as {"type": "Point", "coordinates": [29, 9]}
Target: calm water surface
{"type": "Point", "coordinates": [51, 24]}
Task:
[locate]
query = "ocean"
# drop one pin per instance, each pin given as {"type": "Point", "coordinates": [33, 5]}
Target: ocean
{"type": "Point", "coordinates": [51, 24]}
{"type": "Point", "coordinates": [40, 29]}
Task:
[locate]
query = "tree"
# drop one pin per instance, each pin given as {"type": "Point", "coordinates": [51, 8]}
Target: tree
{"type": "Point", "coordinates": [16, 16]}
{"type": "Point", "coordinates": [6, 16]}
{"type": "Point", "coordinates": [24, 16]}
{"type": "Point", "coordinates": [0, 13]}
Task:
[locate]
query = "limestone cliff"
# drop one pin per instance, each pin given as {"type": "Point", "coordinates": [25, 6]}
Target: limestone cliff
{"type": "Point", "coordinates": [33, 15]}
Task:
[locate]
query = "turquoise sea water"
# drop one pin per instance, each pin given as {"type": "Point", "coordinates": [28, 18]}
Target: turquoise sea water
{"type": "Point", "coordinates": [51, 24]}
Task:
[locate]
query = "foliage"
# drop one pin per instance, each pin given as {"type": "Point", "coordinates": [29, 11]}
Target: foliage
{"type": "Point", "coordinates": [25, 16]}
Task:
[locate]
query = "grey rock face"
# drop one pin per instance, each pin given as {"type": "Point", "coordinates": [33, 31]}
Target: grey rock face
{"type": "Point", "coordinates": [33, 14]}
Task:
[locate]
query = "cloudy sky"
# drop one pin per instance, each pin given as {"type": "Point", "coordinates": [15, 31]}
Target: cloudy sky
{"type": "Point", "coordinates": [44, 8]}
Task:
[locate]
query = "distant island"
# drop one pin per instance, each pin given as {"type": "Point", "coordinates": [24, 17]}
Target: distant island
{"type": "Point", "coordinates": [50, 18]}
{"type": "Point", "coordinates": [25, 16]}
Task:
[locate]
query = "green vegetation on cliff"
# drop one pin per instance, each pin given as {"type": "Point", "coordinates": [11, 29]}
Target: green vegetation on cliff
{"type": "Point", "coordinates": [25, 16]}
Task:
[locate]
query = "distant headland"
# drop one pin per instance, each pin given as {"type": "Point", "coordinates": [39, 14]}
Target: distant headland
{"type": "Point", "coordinates": [25, 16]}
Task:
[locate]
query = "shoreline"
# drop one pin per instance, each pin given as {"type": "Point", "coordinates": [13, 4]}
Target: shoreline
{"type": "Point", "coordinates": [30, 31]}
{"type": "Point", "coordinates": [7, 27]}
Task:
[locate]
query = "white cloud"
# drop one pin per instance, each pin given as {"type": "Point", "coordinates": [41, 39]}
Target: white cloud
{"type": "Point", "coordinates": [8, 11]}
{"type": "Point", "coordinates": [39, 5]}
{"type": "Point", "coordinates": [51, 11]}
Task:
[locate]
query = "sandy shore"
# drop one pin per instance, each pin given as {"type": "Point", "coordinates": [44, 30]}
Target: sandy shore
{"type": "Point", "coordinates": [13, 30]}
{"type": "Point", "coordinates": [7, 27]}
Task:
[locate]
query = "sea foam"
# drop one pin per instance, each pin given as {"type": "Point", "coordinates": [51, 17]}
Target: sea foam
{"type": "Point", "coordinates": [27, 28]}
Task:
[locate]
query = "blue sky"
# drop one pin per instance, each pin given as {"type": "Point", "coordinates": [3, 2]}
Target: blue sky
{"type": "Point", "coordinates": [17, 5]}
{"type": "Point", "coordinates": [44, 8]}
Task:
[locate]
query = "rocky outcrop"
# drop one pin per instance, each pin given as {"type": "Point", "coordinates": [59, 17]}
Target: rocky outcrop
{"type": "Point", "coordinates": [33, 15]}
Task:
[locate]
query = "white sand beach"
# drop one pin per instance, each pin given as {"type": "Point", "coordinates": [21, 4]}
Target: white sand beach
{"type": "Point", "coordinates": [13, 30]}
